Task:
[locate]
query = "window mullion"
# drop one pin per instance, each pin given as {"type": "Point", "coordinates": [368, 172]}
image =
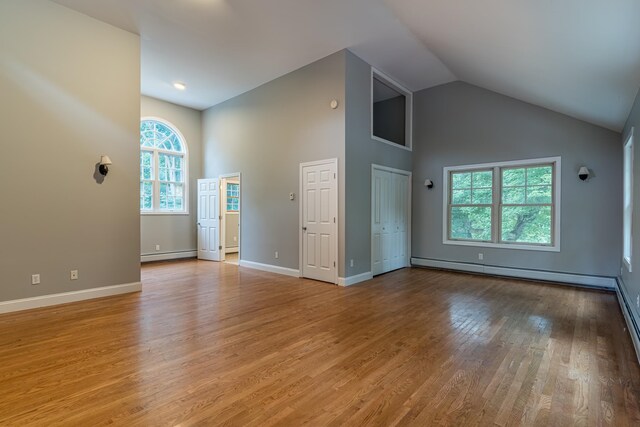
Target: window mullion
{"type": "Point", "coordinates": [156, 181]}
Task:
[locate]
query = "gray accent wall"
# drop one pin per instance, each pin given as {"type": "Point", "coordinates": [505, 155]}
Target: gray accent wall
{"type": "Point", "coordinates": [70, 90]}
{"type": "Point", "coordinates": [265, 134]}
{"type": "Point", "coordinates": [459, 124]}
{"type": "Point", "coordinates": [174, 233]}
{"type": "Point", "coordinates": [361, 152]}
{"type": "Point", "coordinates": [631, 281]}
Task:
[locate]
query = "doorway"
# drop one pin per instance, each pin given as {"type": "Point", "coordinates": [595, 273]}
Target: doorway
{"type": "Point", "coordinates": [230, 214]}
{"type": "Point", "coordinates": [390, 219]}
{"type": "Point", "coordinates": [318, 220]}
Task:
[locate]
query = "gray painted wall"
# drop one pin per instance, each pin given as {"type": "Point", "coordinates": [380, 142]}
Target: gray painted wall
{"type": "Point", "coordinates": [458, 124]}
{"type": "Point", "coordinates": [174, 233]}
{"type": "Point", "coordinates": [361, 152]}
{"type": "Point", "coordinates": [265, 134]}
{"type": "Point", "coordinates": [231, 231]}
{"type": "Point", "coordinates": [70, 90]}
{"type": "Point", "coordinates": [631, 281]}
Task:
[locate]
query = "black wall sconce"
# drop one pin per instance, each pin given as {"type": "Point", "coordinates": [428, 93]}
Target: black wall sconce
{"type": "Point", "coordinates": [105, 162]}
{"type": "Point", "coordinates": [584, 173]}
{"type": "Point", "coordinates": [428, 183]}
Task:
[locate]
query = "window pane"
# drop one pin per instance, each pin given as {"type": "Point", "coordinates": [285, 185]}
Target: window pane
{"type": "Point", "coordinates": [163, 130]}
{"type": "Point", "coordinates": [483, 179]}
{"type": "Point", "coordinates": [163, 196]}
{"type": "Point", "coordinates": [482, 196]}
{"type": "Point", "coordinates": [461, 197]}
{"type": "Point", "coordinates": [513, 195]}
{"type": "Point", "coordinates": [461, 180]}
{"type": "Point", "coordinates": [526, 224]}
{"type": "Point", "coordinates": [146, 168]}
{"type": "Point", "coordinates": [539, 194]}
{"type": "Point", "coordinates": [146, 196]}
{"type": "Point", "coordinates": [539, 175]}
{"type": "Point", "coordinates": [470, 223]}
{"type": "Point", "coordinates": [171, 196]}
{"type": "Point", "coordinates": [512, 177]}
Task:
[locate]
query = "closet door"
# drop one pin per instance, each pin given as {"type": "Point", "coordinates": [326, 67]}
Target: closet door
{"type": "Point", "coordinates": [389, 220]}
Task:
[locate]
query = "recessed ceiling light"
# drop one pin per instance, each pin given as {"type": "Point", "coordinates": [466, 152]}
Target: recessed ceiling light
{"type": "Point", "coordinates": [179, 85]}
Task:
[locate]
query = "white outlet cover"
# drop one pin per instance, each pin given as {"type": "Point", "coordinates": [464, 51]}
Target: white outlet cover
{"type": "Point", "coordinates": [35, 279]}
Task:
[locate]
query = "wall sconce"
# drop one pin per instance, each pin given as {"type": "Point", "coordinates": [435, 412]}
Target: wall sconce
{"type": "Point", "coordinates": [428, 183]}
{"type": "Point", "coordinates": [105, 161]}
{"type": "Point", "coordinates": [583, 173]}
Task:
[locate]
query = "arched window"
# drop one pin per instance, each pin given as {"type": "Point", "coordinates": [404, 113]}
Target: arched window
{"type": "Point", "coordinates": [163, 168]}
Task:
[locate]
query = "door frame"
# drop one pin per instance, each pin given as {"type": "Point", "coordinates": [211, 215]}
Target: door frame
{"type": "Point", "coordinates": [223, 214]}
{"type": "Point", "coordinates": [333, 161]}
{"type": "Point", "coordinates": [409, 174]}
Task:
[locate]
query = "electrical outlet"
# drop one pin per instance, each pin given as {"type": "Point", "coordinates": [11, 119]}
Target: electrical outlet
{"type": "Point", "coordinates": [157, 247]}
{"type": "Point", "coordinates": [480, 256]}
{"type": "Point", "coordinates": [276, 255]}
{"type": "Point", "coordinates": [74, 274]}
{"type": "Point", "coordinates": [351, 263]}
{"type": "Point", "coordinates": [35, 279]}
{"type": "Point", "coordinates": [292, 196]}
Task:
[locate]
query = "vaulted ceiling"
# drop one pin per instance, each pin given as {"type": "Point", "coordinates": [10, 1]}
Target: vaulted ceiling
{"type": "Point", "coordinates": [578, 57]}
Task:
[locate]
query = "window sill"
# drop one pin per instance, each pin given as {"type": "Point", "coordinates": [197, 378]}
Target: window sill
{"type": "Point", "coordinates": [504, 246]}
{"type": "Point", "coordinates": [163, 213]}
{"type": "Point", "coordinates": [627, 264]}
{"type": "Point", "coordinates": [393, 144]}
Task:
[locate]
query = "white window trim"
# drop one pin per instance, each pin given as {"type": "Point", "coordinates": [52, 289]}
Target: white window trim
{"type": "Point", "coordinates": [156, 188]}
{"type": "Point", "coordinates": [628, 144]}
{"type": "Point", "coordinates": [556, 202]}
{"type": "Point", "coordinates": [408, 110]}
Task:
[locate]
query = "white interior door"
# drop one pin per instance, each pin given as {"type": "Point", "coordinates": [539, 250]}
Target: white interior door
{"type": "Point", "coordinates": [389, 220]}
{"type": "Point", "coordinates": [319, 207]}
{"type": "Point", "coordinates": [209, 219]}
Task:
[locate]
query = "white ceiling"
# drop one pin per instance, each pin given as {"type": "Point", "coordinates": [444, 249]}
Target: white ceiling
{"type": "Point", "coordinates": [578, 57]}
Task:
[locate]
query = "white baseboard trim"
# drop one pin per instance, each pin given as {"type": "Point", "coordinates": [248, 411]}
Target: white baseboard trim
{"type": "Point", "coordinates": [352, 280]}
{"type": "Point", "coordinates": [66, 297]}
{"type": "Point", "coordinates": [632, 326]}
{"type": "Point", "coordinates": [599, 282]}
{"type": "Point", "coordinates": [168, 256]}
{"type": "Point", "coordinates": [270, 268]}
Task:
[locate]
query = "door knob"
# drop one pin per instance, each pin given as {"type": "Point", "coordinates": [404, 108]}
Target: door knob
{"type": "Point", "coordinates": [304, 228]}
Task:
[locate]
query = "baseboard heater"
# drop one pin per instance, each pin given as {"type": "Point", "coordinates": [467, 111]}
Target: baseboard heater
{"type": "Point", "coordinates": [593, 282]}
{"type": "Point", "coordinates": [629, 318]}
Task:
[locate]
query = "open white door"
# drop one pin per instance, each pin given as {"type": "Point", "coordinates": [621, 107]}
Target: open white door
{"type": "Point", "coordinates": [319, 208]}
{"type": "Point", "coordinates": [209, 219]}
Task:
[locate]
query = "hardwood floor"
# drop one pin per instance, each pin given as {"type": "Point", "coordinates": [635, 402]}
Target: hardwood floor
{"type": "Point", "coordinates": [210, 344]}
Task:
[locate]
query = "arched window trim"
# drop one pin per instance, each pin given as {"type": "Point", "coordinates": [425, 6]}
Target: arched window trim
{"type": "Point", "coordinates": [156, 188]}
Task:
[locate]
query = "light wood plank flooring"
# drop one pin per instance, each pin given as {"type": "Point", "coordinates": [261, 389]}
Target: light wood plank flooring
{"type": "Point", "coordinates": [211, 344]}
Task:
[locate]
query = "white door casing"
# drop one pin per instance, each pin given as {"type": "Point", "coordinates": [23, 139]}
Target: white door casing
{"type": "Point", "coordinates": [390, 219]}
{"type": "Point", "coordinates": [209, 219]}
{"type": "Point", "coordinates": [319, 220]}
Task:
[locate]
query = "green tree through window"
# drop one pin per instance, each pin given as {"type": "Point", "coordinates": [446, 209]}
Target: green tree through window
{"type": "Point", "coordinates": [503, 204]}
